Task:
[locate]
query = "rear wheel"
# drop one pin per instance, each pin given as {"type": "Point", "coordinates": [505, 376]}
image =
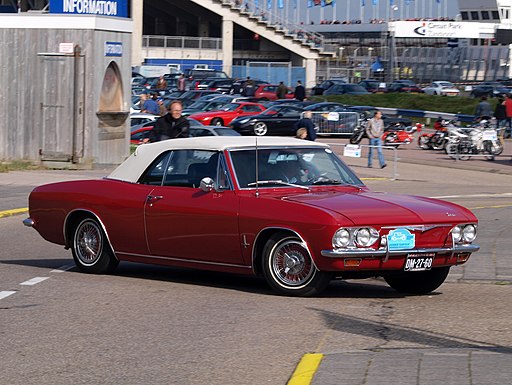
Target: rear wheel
{"type": "Point", "coordinates": [289, 268]}
{"type": "Point", "coordinates": [90, 248]}
{"type": "Point", "coordinates": [216, 122]}
{"type": "Point", "coordinates": [356, 137]}
{"type": "Point", "coordinates": [260, 129]}
{"type": "Point", "coordinates": [423, 142]}
{"type": "Point", "coordinates": [418, 282]}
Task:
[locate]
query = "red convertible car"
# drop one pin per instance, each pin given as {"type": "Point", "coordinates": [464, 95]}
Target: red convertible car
{"type": "Point", "coordinates": [228, 113]}
{"type": "Point", "coordinates": [287, 209]}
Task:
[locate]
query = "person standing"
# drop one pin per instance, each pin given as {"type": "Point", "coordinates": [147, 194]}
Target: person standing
{"type": "Point", "coordinates": [150, 106]}
{"type": "Point", "coordinates": [483, 110]}
{"type": "Point", "coordinates": [508, 109]}
{"type": "Point", "coordinates": [161, 85]}
{"type": "Point", "coordinates": [282, 90]}
{"type": "Point", "coordinates": [172, 125]}
{"type": "Point", "coordinates": [500, 113]}
{"type": "Point", "coordinates": [307, 123]}
{"type": "Point", "coordinates": [181, 82]}
{"type": "Point", "coordinates": [300, 91]}
{"type": "Point", "coordinates": [248, 88]}
{"type": "Point", "coordinates": [374, 131]}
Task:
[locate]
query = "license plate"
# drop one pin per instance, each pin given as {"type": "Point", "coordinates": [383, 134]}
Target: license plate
{"type": "Point", "coordinates": [419, 262]}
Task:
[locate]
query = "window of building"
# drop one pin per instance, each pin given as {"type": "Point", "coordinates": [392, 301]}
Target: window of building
{"type": "Point", "coordinates": [474, 15]}
{"type": "Point", "coordinates": [464, 15]}
{"type": "Point", "coordinates": [495, 15]}
{"type": "Point", "coordinates": [485, 15]}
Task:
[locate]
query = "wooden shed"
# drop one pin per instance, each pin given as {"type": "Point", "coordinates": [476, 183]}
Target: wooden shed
{"type": "Point", "coordinates": [65, 87]}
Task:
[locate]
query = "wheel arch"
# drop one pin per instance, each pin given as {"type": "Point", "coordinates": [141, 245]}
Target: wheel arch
{"type": "Point", "coordinates": [72, 220]}
{"type": "Point", "coordinates": [262, 238]}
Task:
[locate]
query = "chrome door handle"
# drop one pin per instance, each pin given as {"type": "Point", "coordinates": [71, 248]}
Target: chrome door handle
{"type": "Point", "coordinates": [153, 198]}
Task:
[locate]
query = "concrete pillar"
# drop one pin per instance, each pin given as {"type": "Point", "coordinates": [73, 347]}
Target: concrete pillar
{"type": "Point", "coordinates": [310, 73]}
{"type": "Point", "coordinates": [227, 45]}
{"type": "Point", "coordinates": [137, 17]}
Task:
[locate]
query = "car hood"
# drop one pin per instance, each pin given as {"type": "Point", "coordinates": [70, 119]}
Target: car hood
{"type": "Point", "coordinates": [209, 114]}
{"type": "Point", "coordinates": [377, 208]}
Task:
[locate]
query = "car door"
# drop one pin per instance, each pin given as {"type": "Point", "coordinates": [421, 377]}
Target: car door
{"type": "Point", "coordinates": [184, 222]}
{"type": "Point", "coordinates": [284, 123]}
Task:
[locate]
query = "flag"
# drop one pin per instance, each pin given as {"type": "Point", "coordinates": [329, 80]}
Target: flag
{"type": "Point", "coordinates": [374, 2]}
{"type": "Point", "coordinates": [294, 3]}
{"type": "Point", "coordinates": [280, 3]}
{"type": "Point", "coordinates": [269, 4]}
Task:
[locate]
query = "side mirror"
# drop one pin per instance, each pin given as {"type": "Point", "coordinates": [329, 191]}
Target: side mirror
{"type": "Point", "coordinates": [207, 184]}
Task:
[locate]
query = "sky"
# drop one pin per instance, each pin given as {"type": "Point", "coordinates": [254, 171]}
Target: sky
{"type": "Point", "coordinates": [381, 10]}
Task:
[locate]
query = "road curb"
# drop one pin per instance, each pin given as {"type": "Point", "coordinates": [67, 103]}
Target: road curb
{"type": "Point", "coordinates": [8, 213]}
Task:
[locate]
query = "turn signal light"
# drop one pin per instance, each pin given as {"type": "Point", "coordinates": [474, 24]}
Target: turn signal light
{"type": "Point", "coordinates": [461, 258]}
{"type": "Point", "coordinates": [352, 262]}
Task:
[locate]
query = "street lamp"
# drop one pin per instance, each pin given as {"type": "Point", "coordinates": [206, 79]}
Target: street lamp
{"type": "Point", "coordinates": [340, 56]}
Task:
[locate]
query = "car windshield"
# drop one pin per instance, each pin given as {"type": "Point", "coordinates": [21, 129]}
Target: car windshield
{"type": "Point", "coordinates": [354, 88]}
{"type": "Point", "coordinates": [230, 107]}
{"type": "Point", "coordinates": [281, 167]}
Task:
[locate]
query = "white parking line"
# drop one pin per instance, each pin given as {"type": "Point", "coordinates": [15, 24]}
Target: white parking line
{"type": "Point", "coordinates": [497, 195]}
{"type": "Point", "coordinates": [62, 269]}
{"type": "Point", "coordinates": [5, 294]}
{"type": "Point", "coordinates": [34, 281]}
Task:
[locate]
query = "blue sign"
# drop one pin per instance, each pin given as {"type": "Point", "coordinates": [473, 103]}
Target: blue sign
{"type": "Point", "coordinates": [113, 48]}
{"type": "Point", "coordinates": [401, 239]}
{"type": "Point", "coordinates": [116, 8]}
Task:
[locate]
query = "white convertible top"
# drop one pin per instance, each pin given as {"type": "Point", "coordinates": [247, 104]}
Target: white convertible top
{"type": "Point", "coordinates": [132, 168]}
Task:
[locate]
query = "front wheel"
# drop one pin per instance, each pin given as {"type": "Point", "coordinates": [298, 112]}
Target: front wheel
{"type": "Point", "coordinates": [216, 122]}
{"type": "Point", "coordinates": [356, 137]}
{"type": "Point", "coordinates": [289, 268]}
{"type": "Point", "coordinates": [90, 249]}
{"type": "Point", "coordinates": [260, 129]}
{"type": "Point", "coordinates": [423, 142]}
{"type": "Point", "coordinates": [418, 282]}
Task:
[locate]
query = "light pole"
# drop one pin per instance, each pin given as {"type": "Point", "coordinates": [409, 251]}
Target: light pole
{"type": "Point", "coordinates": [340, 56]}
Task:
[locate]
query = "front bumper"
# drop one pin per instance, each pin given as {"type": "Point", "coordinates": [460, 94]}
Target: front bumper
{"type": "Point", "coordinates": [386, 253]}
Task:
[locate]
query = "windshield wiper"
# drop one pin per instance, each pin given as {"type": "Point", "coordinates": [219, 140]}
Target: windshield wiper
{"type": "Point", "coordinates": [277, 181]}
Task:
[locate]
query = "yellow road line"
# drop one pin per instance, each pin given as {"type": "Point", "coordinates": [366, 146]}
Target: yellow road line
{"type": "Point", "coordinates": [306, 369]}
{"type": "Point", "coordinates": [490, 207]}
{"type": "Point", "coordinates": [376, 178]}
{"type": "Point", "coordinates": [8, 213]}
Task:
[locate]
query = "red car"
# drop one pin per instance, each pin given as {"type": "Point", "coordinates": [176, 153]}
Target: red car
{"type": "Point", "coordinates": [228, 113]}
{"type": "Point", "coordinates": [287, 209]}
{"type": "Point", "coordinates": [268, 92]}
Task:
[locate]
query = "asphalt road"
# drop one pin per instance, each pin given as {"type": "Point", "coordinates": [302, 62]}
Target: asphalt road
{"type": "Point", "coordinates": [157, 325]}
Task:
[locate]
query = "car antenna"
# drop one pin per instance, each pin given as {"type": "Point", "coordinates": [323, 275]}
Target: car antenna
{"type": "Point", "coordinates": [256, 155]}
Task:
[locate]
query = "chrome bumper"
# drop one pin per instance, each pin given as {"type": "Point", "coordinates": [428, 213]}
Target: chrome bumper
{"type": "Point", "coordinates": [28, 222]}
{"type": "Point", "coordinates": [371, 253]}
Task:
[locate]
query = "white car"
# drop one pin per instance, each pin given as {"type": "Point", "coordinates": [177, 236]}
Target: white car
{"type": "Point", "coordinates": [137, 118]}
{"type": "Point", "coordinates": [441, 88]}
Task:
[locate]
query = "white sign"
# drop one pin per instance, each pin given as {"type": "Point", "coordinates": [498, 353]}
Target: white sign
{"type": "Point", "coordinates": [333, 117]}
{"type": "Point", "coordinates": [65, 47]}
{"type": "Point", "coordinates": [352, 150]}
{"type": "Point", "coordinates": [440, 29]}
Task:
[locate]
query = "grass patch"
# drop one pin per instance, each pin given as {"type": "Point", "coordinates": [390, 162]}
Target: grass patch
{"type": "Point", "coordinates": [453, 105]}
{"type": "Point", "coordinates": [19, 165]}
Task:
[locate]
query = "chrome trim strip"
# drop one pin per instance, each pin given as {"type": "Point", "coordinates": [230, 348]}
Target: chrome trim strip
{"type": "Point", "coordinates": [185, 260]}
{"type": "Point", "coordinates": [348, 253]}
{"type": "Point", "coordinates": [29, 222]}
{"type": "Point", "coordinates": [421, 228]}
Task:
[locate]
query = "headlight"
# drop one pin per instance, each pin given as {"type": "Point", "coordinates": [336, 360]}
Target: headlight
{"type": "Point", "coordinates": [456, 234]}
{"type": "Point", "coordinates": [341, 238]}
{"type": "Point", "coordinates": [366, 236]}
{"type": "Point", "coordinates": [469, 233]}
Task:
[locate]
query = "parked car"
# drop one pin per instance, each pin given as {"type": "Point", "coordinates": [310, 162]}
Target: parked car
{"type": "Point", "coordinates": [137, 118]}
{"type": "Point", "coordinates": [221, 85]}
{"type": "Point", "coordinates": [404, 86]}
{"type": "Point", "coordinates": [143, 131]}
{"type": "Point", "coordinates": [224, 116]}
{"type": "Point", "coordinates": [276, 120]}
{"type": "Point", "coordinates": [441, 88]}
{"type": "Point", "coordinates": [346, 89]}
{"type": "Point", "coordinates": [374, 86]}
{"type": "Point", "coordinates": [323, 107]}
{"type": "Point", "coordinates": [194, 76]}
{"type": "Point", "coordinates": [268, 92]}
{"type": "Point", "coordinates": [489, 89]}
{"type": "Point", "coordinates": [188, 97]}
{"type": "Point", "coordinates": [286, 209]}
{"type": "Point", "coordinates": [325, 85]}
{"type": "Point", "coordinates": [204, 106]}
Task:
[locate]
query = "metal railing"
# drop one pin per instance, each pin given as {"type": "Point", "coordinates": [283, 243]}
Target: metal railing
{"type": "Point", "coordinates": [259, 11]}
{"type": "Point", "coordinates": [335, 123]}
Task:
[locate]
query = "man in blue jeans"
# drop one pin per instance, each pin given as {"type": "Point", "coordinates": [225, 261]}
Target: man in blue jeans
{"type": "Point", "coordinates": [374, 131]}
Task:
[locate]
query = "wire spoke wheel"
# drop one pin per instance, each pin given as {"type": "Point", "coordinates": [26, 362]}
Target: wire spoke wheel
{"type": "Point", "coordinates": [88, 242]}
{"type": "Point", "coordinates": [289, 268]}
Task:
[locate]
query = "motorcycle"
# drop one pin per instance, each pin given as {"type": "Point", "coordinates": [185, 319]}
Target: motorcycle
{"type": "Point", "coordinates": [395, 134]}
{"type": "Point", "coordinates": [438, 139]}
{"type": "Point", "coordinates": [481, 139]}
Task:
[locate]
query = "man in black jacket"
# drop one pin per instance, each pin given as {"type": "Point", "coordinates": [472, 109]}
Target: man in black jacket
{"type": "Point", "coordinates": [172, 125]}
{"type": "Point", "coordinates": [300, 91]}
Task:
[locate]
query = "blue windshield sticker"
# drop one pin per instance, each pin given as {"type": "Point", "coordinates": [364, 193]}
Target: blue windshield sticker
{"type": "Point", "coordinates": [401, 239]}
